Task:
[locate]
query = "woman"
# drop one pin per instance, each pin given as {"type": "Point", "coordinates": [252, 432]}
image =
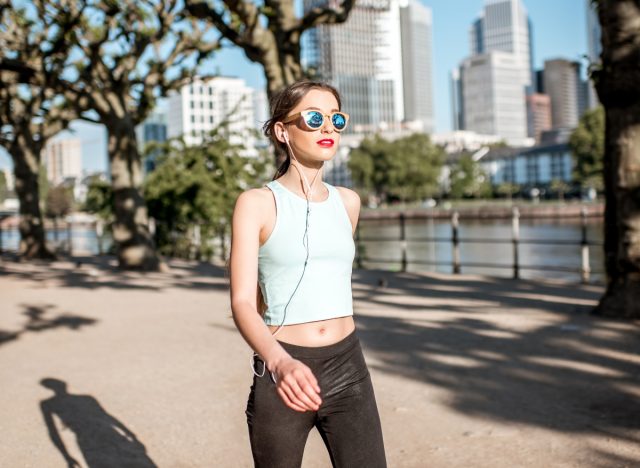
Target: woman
{"type": "Point", "coordinates": [293, 242]}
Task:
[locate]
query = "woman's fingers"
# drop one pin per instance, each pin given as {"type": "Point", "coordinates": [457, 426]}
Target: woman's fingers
{"type": "Point", "coordinates": [311, 379]}
{"type": "Point", "coordinates": [311, 388]}
{"type": "Point", "coordinates": [287, 401]}
{"type": "Point", "coordinates": [298, 387]}
{"type": "Point", "coordinates": [305, 394]}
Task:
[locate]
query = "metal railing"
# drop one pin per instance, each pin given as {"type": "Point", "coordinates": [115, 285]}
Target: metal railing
{"type": "Point", "coordinates": [455, 240]}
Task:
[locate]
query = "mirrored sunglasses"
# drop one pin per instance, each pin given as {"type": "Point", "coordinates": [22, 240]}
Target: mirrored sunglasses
{"type": "Point", "coordinates": [314, 119]}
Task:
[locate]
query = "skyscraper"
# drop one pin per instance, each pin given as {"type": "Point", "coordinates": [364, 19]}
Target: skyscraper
{"type": "Point", "coordinates": [563, 84]}
{"type": "Point", "coordinates": [416, 26]}
{"type": "Point", "coordinates": [490, 86]}
{"type": "Point", "coordinates": [493, 95]}
{"type": "Point", "coordinates": [595, 48]}
{"type": "Point", "coordinates": [358, 58]}
{"type": "Point", "coordinates": [538, 115]}
{"type": "Point", "coordinates": [457, 99]}
{"type": "Point", "coordinates": [379, 59]}
{"type": "Point", "coordinates": [504, 25]}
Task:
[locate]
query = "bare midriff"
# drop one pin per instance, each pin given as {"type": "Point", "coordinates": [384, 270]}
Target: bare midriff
{"type": "Point", "coordinates": [314, 334]}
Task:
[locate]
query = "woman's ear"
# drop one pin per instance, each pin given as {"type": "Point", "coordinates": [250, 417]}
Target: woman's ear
{"type": "Point", "coordinates": [280, 132]}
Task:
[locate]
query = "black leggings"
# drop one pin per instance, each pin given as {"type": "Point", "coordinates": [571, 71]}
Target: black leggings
{"type": "Point", "coordinates": [347, 420]}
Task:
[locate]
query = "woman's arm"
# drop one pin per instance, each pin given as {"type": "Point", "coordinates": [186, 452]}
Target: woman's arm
{"type": "Point", "coordinates": [296, 384]}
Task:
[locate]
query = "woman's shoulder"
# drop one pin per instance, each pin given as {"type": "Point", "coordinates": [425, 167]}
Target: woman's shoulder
{"type": "Point", "coordinates": [350, 197]}
{"type": "Point", "coordinates": [351, 201]}
{"type": "Point", "coordinates": [254, 199]}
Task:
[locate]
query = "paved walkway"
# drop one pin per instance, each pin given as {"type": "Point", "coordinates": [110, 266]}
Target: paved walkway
{"type": "Point", "coordinates": [123, 369]}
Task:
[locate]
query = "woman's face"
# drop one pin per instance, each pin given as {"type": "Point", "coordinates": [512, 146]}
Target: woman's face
{"type": "Point", "coordinates": [313, 145]}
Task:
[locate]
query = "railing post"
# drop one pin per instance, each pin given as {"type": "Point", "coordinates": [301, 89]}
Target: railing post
{"type": "Point", "coordinates": [403, 242]}
{"type": "Point", "coordinates": [99, 232]}
{"type": "Point", "coordinates": [515, 229]}
{"type": "Point", "coordinates": [70, 238]}
{"type": "Point", "coordinates": [585, 270]}
{"type": "Point", "coordinates": [456, 243]}
{"type": "Point", "coordinates": [1, 246]}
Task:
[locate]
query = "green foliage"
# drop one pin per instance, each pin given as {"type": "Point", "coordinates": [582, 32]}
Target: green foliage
{"type": "Point", "coordinates": [99, 199]}
{"type": "Point", "coordinates": [198, 185]}
{"type": "Point", "coordinates": [468, 180]}
{"type": "Point", "coordinates": [587, 146]}
{"type": "Point", "coordinates": [59, 202]}
{"type": "Point", "coordinates": [560, 187]}
{"type": "Point", "coordinates": [507, 189]}
{"type": "Point", "coordinates": [406, 169]}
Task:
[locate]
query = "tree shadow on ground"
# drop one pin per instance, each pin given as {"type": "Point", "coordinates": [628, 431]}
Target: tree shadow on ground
{"type": "Point", "coordinates": [94, 272]}
{"type": "Point", "coordinates": [566, 371]}
{"type": "Point", "coordinates": [37, 322]}
{"type": "Point", "coordinates": [102, 439]}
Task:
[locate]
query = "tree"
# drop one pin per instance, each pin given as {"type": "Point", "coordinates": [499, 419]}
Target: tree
{"type": "Point", "coordinates": [59, 201]}
{"type": "Point", "coordinates": [194, 187]}
{"type": "Point", "coordinates": [126, 55]}
{"type": "Point", "coordinates": [587, 146]}
{"type": "Point", "coordinates": [269, 33]}
{"type": "Point", "coordinates": [366, 165]}
{"type": "Point", "coordinates": [617, 86]}
{"type": "Point", "coordinates": [3, 187]}
{"type": "Point", "coordinates": [406, 169]}
{"type": "Point", "coordinates": [560, 187]}
{"type": "Point", "coordinates": [507, 189]}
{"type": "Point", "coordinates": [468, 180]}
{"type": "Point", "coordinates": [33, 47]}
{"type": "Point", "coordinates": [99, 199]}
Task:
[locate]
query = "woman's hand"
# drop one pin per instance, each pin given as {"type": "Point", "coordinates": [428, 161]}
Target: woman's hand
{"type": "Point", "coordinates": [296, 385]}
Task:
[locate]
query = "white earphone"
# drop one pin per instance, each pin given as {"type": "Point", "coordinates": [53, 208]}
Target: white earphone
{"type": "Point", "coordinates": [309, 193]}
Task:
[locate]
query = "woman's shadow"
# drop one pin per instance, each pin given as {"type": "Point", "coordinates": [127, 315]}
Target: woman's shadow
{"type": "Point", "coordinates": [103, 440]}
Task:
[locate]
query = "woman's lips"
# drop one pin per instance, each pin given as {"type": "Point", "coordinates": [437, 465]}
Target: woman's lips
{"type": "Point", "coordinates": [327, 142]}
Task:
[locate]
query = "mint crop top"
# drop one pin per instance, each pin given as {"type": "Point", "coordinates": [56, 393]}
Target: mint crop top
{"type": "Point", "coordinates": [325, 289]}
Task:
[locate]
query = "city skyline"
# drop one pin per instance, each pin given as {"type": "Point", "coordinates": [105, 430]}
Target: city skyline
{"type": "Point", "coordinates": [553, 37]}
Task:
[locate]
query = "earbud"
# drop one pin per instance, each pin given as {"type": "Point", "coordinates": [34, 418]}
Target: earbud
{"type": "Point", "coordinates": [286, 136]}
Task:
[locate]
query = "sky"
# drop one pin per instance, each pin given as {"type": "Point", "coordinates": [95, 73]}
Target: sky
{"type": "Point", "coordinates": [559, 31]}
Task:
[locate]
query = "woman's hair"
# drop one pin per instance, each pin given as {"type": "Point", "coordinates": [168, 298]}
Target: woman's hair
{"type": "Point", "coordinates": [281, 105]}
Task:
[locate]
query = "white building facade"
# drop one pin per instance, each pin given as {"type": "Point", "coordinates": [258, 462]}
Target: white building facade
{"type": "Point", "coordinates": [489, 88]}
{"type": "Point", "coordinates": [504, 26]}
{"type": "Point", "coordinates": [493, 96]}
{"type": "Point", "coordinates": [63, 159]}
{"type": "Point", "coordinates": [416, 25]}
{"type": "Point", "coordinates": [206, 104]}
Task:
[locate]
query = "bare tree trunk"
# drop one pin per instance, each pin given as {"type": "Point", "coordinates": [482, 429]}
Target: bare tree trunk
{"type": "Point", "coordinates": [26, 164]}
{"type": "Point", "coordinates": [617, 86]}
{"type": "Point", "coordinates": [280, 69]}
{"type": "Point", "coordinates": [135, 247]}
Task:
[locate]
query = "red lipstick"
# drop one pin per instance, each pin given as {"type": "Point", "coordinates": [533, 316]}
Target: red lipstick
{"type": "Point", "coordinates": [326, 142]}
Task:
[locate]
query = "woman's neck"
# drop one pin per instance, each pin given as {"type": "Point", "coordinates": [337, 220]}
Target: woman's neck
{"type": "Point", "coordinates": [293, 179]}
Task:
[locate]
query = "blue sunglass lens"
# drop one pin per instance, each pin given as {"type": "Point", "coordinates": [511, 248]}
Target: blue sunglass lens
{"type": "Point", "coordinates": [314, 119]}
{"type": "Point", "coordinates": [338, 120]}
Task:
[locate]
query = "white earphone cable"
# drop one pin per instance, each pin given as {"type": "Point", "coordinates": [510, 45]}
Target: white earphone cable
{"type": "Point", "coordinates": [305, 242]}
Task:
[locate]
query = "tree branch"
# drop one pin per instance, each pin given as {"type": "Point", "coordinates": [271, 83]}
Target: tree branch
{"type": "Point", "coordinates": [202, 10]}
{"type": "Point", "coordinates": [326, 15]}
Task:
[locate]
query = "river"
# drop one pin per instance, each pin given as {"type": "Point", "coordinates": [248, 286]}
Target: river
{"type": "Point", "coordinates": [85, 242]}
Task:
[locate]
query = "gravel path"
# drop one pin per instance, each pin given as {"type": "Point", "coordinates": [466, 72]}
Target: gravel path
{"type": "Point", "coordinates": [121, 369]}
